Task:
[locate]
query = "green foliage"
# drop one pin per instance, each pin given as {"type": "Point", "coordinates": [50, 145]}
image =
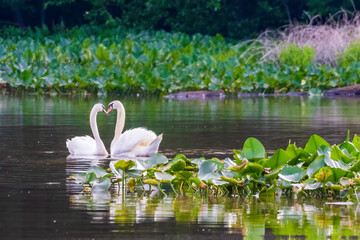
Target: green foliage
{"type": "Point", "coordinates": [253, 149]}
{"type": "Point", "coordinates": [315, 171]}
{"type": "Point", "coordinates": [104, 60]}
{"type": "Point", "coordinates": [293, 55]}
{"type": "Point", "coordinates": [350, 55]}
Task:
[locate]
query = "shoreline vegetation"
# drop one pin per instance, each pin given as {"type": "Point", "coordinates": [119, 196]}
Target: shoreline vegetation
{"type": "Point", "coordinates": [296, 60]}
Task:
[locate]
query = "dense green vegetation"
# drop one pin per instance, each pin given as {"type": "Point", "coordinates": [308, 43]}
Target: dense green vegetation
{"type": "Point", "coordinates": [317, 171]}
{"type": "Point", "coordinates": [101, 60]}
{"type": "Point", "coordinates": [231, 18]}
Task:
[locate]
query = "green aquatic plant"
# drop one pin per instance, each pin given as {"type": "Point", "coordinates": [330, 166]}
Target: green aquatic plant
{"type": "Point", "coordinates": [320, 170]}
{"type": "Point", "coordinates": [90, 59]}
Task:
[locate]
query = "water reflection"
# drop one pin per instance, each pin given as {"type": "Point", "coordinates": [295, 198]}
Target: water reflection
{"type": "Point", "coordinates": [248, 218]}
{"type": "Point", "coordinates": [38, 200]}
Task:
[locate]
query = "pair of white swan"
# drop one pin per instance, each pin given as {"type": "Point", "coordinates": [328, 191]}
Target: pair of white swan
{"type": "Point", "coordinates": [137, 142]}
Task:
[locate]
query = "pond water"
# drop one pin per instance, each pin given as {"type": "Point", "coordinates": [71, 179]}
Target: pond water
{"type": "Point", "coordinates": [37, 199]}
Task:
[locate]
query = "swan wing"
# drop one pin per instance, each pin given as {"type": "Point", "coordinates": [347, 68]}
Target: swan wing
{"type": "Point", "coordinates": [81, 146]}
{"type": "Point", "coordinates": [148, 150]}
{"type": "Point", "coordinates": [130, 139]}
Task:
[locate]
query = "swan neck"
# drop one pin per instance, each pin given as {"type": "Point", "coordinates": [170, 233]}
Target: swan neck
{"type": "Point", "coordinates": [95, 131]}
{"type": "Point", "coordinates": [120, 123]}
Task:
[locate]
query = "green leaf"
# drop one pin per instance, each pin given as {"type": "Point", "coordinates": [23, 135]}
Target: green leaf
{"type": "Point", "coordinates": [315, 165]}
{"type": "Point", "coordinates": [155, 160]}
{"type": "Point", "coordinates": [98, 171]}
{"type": "Point", "coordinates": [164, 177]}
{"type": "Point", "coordinates": [292, 173]}
{"type": "Point", "coordinates": [137, 50]}
{"type": "Point", "coordinates": [182, 157]}
{"type": "Point", "coordinates": [335, 164]}
{"type": "Point", "coordinates": [2, 54]}
{"type": "Point", "coordinates": [253, 168]}
{"type": "Point", "coordinates": [335, 187]}
{"type": "Point", "coordinates": [345, 181]}
{"type": "Point", "coordinates": [347, 147]}
{"type": "Point", "coordinates": [124, 165]}
{"type": "Point", "coordinates": [355, 166]}
{"type": "Point", "coordinates": [185, 175]}
{"type": "Point", "coordinates": [314, 143]}
{"type": "Point", "coordinates": [207, 170]}
{"type": "Point", "coordinates": [114, 170]}
{"type": "Point", "coordinates": [228, 163]}
{"type": "Point", "coordinates": [336, 153]}
{"type": "Point", "coordinates": [338, 173]}
{"type": "Point", "coordinates": [178, 166]}
{"type": "Point", "coordinates": [101, 185]}
{"type": "Point", "coordinates": [198, 161]}
{"type": "Point", "coordinates": [311, 184]}
{"type": "Point", "coordinates": [273, 174]}
{"type": "Point", "coordinates": [279, 158]}
{"type": "Point", "coordinates": [218, 182]}
{"type": "Point", "coordinates": [101, 53]}
{"type": "Point", "coordinates": [356, 141]}
{"type": "Point", "coordinates": [27, 56]}
{"type": "Point", "coordinates": [134, 172]}
{"type": "Point", "coordinates": [324, 150]}
{"type": "Point", "coordinates": [253, 149]}
{"type": "Point", "coordinates": [291, 151]}
{"type": "Point", "coordinates": [26, 77]}
{"type": "Point", "coordinates": [81, 178]}
{"type": "Point", "coordinates": [151, 182]}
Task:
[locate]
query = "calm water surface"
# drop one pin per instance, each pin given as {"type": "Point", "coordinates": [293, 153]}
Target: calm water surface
{"type": "Point", "coordinates": [37, 199]}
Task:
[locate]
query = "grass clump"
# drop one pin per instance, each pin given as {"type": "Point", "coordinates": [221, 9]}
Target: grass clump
{"type": "Point", "coordinates": [351, 54]}
{"type": "Point", "coordinates": [293, 55]}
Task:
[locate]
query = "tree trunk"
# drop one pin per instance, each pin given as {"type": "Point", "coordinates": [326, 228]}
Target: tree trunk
{"type": "Point", "coordinates": [287, 12]}
{"type": "Point", "coordinates": [42, 20]}
{"type": "Point", "coordinates": [18, 16]}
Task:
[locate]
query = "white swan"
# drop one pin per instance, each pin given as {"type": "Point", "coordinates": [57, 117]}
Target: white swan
{"type": "Point", "coordinates": [86, 145]}
{"type": "Point", "coordinates": [137, 142]}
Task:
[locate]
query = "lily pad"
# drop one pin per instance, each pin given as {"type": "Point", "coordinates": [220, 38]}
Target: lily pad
{"type": "Point", "coordinates": [253, 149]}
{"type": "Point", "coordinates": [292, 173]}
{"type": "Point", "coordinates": [164, 177]}
{"type": "Point", "coordinates": [314, 143]}
{"type": "Point", "coordinates": [177, 166]}
{"type": "Point", "coordinates": [155, 160]}
{"type": "Point", "coordinates": [124, 165]}
{"type": "Point", "coordinates": [101, 185]}
{"type": "Point", "coordinates": [317, 164]}
{"type": "Point", "coordinates": [98, 171]}
{"type": "Point", "coordinates": [279, 158]}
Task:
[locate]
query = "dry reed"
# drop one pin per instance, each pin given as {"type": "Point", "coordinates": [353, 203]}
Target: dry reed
{"type": "Point", "coordinates": [329, 39]}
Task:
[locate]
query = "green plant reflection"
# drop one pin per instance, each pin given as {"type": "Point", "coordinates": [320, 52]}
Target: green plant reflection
{"type": "Point", "coordinates": [251, 218]}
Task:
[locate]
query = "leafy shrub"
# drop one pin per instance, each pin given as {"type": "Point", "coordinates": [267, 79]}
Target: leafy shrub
{"type": "Point", "coordinates": [293, 55]}
{"type": "Point", "coordinates": [351, 54]}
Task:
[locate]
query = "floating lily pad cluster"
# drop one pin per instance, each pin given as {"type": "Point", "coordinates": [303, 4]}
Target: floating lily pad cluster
{"type": "Point", "coordinates": [101, 60]}
{"type": "Point", "coordinates": [318, 171]}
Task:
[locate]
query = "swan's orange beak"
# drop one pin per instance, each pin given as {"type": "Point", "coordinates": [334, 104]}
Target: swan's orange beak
{"type": "Point", "coordinates": [104, 111]}
{"type": "Point", "coordinates": [109, 109]}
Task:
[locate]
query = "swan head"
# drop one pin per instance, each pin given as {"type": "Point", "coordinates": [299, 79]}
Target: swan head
{"type": "Point", "coordinates": [100, 108]}
{"type": "Point", "coordinates": [114, 104]}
